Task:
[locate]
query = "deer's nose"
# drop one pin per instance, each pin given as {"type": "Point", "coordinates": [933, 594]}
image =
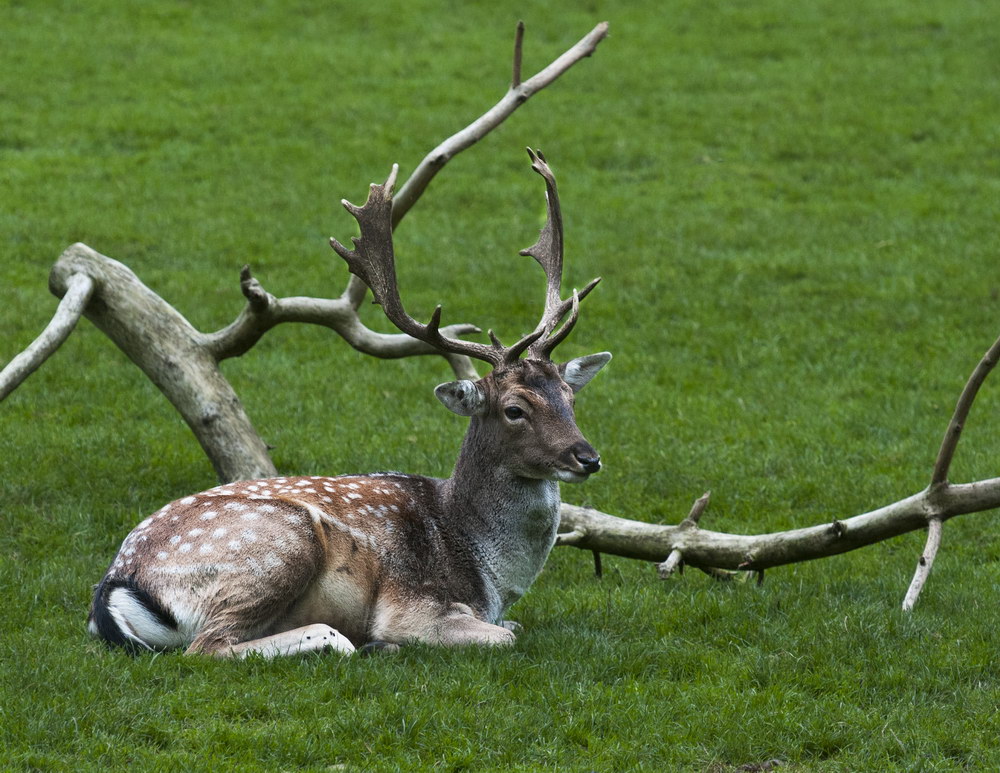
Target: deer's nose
{"type": "Point", "coordinates": [589, 460]}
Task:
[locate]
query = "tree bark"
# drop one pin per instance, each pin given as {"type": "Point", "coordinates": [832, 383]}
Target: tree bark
{"type": "Point", "coordinates": [173, 355]}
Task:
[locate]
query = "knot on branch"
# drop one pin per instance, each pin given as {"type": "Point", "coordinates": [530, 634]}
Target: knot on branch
{"type": "Point", "coordinates": [838, 528]}
{"type": "Point", "coordinates": [699, 506]}
{"type": "Point", "coordinates": [257, 297]}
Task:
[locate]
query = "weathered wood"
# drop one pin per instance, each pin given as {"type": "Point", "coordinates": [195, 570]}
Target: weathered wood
{"type": "Point", "coordinates": [173, 355]}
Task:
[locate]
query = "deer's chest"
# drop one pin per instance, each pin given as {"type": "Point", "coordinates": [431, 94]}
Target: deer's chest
{"type": "Point", "coordinates": [516, 551]}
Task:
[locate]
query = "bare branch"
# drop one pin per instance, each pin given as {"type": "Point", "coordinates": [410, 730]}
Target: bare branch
{"type": "Point", "coordinates": [263, 311]}
{"type": "Point", "coordinates": [924, 564]}
{"type": "Point", "coordinates": [516, 96]}
{"type": "Point", "coordinates": [79, 288]}
{"type": "Point", "coordinates": [954, 431]}
{"type": "Point", "coordinates": [697, 509]}
{"type": "Point", "coordinates": [515, 81]}
{"type": "Point", "coordinates": [674, 562]}
{"type": "Point", "coordinates": [594, 530]}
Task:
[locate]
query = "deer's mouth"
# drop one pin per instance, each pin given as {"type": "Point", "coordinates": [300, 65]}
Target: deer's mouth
{"type": "Point", "coordinates": [578, 474]}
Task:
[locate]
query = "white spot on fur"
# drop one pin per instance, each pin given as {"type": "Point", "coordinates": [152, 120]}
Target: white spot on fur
{"type": "Point", "coordinates": [237, 506]}
{"type": "Point", "coordinates": [161, 555]}
{"type": "Point", "coordinates": [219, 533]}
{"type": "Point", "coordinates": [196, 532]}
{"type": "Point", "coordinates": [352, 485]}
{"type": "Point", "coordinates": [208, 515]}
{"type": "Point", "coordinates": [188, 501]}
{"type": "Point", "coordinates": [185, 548]}
{"type": "Point", "coordinates": [175, 539]}
{"type": "Point", "coordinates": [253, 515]}
{"type": "Point", "coordinates": [249, 536]}
{"type": "Point", "coordinates": [233, 544]}
{"type": "Point", "coordinates": [354, 495]}
{"type": "Point", "coordinates": [206, 548]}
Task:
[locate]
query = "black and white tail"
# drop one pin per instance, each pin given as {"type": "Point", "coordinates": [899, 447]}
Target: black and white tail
{"type": "Point", "coordinates": [125, 615]}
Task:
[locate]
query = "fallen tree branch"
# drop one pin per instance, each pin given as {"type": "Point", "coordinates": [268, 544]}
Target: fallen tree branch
{"type": "Point", "coordinates": [79, 288]}
{"type": "Point", "coordinates": [700, 547]}
{"type": "Point", "coordinates": [184, 362]}
{"type": "Point", "coordinates": [672, 547]}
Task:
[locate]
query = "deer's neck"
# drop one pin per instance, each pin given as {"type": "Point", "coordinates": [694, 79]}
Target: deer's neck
{"type": "Point", "coordinates": [509, 522]}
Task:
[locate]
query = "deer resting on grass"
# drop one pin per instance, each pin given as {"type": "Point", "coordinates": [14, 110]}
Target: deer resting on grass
{"type": "Point", "coordinates": [290, 565]}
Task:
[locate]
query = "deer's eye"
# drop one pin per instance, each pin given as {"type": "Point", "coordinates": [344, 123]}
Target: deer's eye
{"type": "Point", "coordinates": [513, 412]}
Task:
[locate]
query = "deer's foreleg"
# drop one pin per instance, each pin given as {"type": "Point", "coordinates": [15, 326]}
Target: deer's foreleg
{"type": "Point", "coordinates": [308, 638]}
{"type": "Point", "coordinates": [453, 625]}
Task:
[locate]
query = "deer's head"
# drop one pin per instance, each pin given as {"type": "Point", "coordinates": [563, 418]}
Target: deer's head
{"type": "Point", "coordinates": [524, 407]}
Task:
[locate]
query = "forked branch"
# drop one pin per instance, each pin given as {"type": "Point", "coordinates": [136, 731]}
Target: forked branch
{"type": "Point", "coordinates": [687, 543]}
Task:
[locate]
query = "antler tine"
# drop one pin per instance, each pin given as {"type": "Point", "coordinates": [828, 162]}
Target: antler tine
{"type": "Point", "coordinates": [548, 251]}
{"type": "Point", "coordinates": [373, 260]}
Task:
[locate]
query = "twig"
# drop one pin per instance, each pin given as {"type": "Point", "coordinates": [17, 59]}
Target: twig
{"type": "Point", "coordinates": [515, 81]}
{"type": "Point", "coordinates": [79, 289]}
{"type": "Point", "coordinates": [954, 431]}
{"type": "Point", "coordinates": [672, 564]}
{"type": "Point", "coordinates": [573, 538]}
{"type": "Point", "coordinates": [516, 96]}
{"type": "Point", "coordinates": [924, 564]}
{"type": "Point", "coordinates": [699, 506]}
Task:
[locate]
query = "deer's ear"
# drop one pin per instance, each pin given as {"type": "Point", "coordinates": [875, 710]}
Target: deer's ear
{"type": "Point", "coordinates": [461, 397]}
{"type": "Point", "coordinates": [577, 373]}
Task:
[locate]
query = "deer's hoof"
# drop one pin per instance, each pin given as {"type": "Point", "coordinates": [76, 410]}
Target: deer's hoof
{"type": "Point", "coordinates": [377, 648]}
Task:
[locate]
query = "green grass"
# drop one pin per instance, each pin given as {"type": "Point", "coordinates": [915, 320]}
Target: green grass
{"type": "Point", "coordinates": [793, 206]}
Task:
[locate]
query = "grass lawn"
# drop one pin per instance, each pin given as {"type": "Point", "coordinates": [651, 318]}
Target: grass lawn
{"type": "Point", "coordinates": [794, 208]}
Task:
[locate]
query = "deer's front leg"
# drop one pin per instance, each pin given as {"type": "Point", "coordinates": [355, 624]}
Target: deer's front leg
{"type": "Point", "coordinates": [454, 625]}
{"type": "Point", "coordinates": [309, 638]}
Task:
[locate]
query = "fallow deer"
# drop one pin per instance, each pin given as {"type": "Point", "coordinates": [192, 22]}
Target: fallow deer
{"type": "Point", "coordinates": [289, 565]}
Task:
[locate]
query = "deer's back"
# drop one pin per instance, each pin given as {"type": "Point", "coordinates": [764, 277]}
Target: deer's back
{"type": "Point", "coordinates": [323, 549]}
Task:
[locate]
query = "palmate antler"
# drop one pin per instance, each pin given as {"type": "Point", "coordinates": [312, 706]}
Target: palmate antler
{"type": "Point", "coordinates": [373, 260]}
